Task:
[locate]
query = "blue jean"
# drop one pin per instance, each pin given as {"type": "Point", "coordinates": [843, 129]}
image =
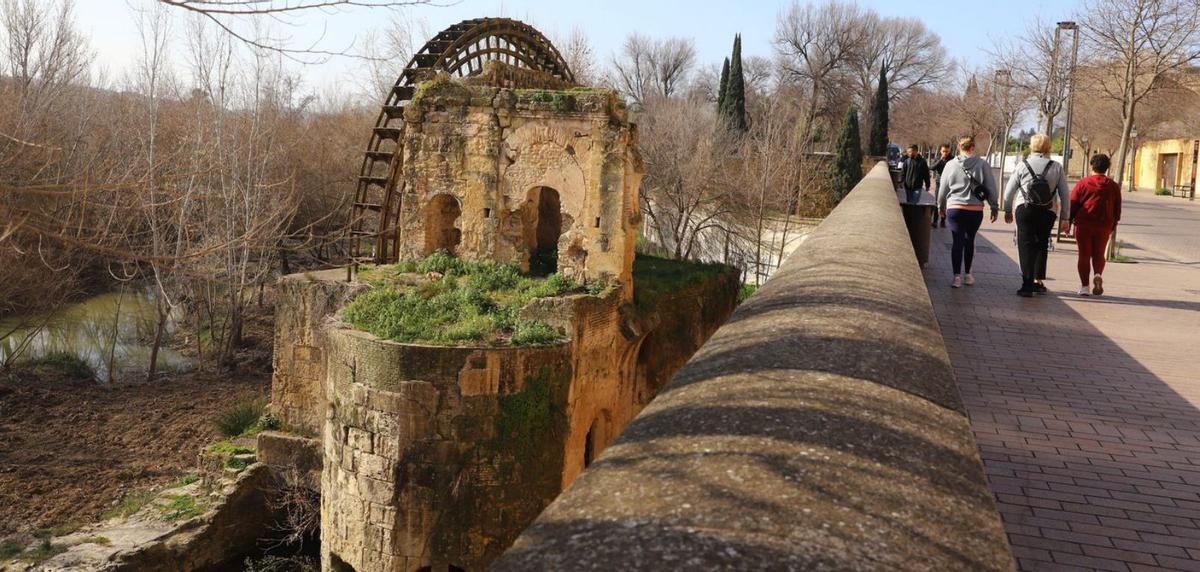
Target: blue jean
{"type": "Point", "coordinates": [963, 226]}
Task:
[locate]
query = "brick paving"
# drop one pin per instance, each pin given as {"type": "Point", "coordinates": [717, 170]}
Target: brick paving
{"type": "Point", "coordinates": [1086, 410]}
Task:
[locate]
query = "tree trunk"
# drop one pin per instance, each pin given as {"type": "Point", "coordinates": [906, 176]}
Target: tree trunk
{"type": "Point", "coordinates": [116, 331]}
{"type": "Point", "coordinates": [1122, 151]}
{"type": "Point", "coordinates": [159, 330]}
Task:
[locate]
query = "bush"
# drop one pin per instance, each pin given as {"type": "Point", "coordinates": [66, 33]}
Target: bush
{"type": "Point", "coordinates": [10, 548]}
{"type": "Point", "coordinates": [44, 550]}
{"type": "Point", "coordinates": [240, 418]}
{"type": "Point", "coordinates": [66, 363]}
{"type": "Point", "coordinates": [1164, 192]}
{"type": "Point", "coordinates": [745, 292]}
{"type": "Point", "coordinates": [269, 422]}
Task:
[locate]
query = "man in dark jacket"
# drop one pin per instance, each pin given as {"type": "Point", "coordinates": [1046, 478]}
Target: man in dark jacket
{"type": "Point", "coordinates": [914, 174]}
{"type": "Point", "coordinates": [944, 157]}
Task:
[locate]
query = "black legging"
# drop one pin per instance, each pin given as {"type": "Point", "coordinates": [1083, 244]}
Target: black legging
{"type": "Point", "coordinates": [1034, 226]}
{"type": "Point", "coordinates": [963, 226]}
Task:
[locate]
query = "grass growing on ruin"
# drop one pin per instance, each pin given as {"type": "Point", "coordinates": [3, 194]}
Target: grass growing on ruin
{"type": "Point", "coordinates": [656, 276]}
{"type": "Point", "coordinates": [529, 417]}
{"type": "Point", "coordinates": [228, 447]}
{"type": "Point", "coordinates": [182, 507]}
{"type": "Point", "coordinates": [472, 302]}
{"type": "Point", "coordinates": [130, 504]}
{"type": "Point", "coordinates": [186, 480]}
{"type": "Point", "coordinates": [42, 551]}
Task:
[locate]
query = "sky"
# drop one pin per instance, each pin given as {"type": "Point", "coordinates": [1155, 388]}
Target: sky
{"type": "Point", "coordinates": [967, 29]}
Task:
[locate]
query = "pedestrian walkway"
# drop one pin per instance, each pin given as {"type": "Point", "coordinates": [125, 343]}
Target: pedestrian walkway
{"type": "Point", "coordinates": [1086, 410]}
{"type": "Point", "coordinates": [1160, 228]}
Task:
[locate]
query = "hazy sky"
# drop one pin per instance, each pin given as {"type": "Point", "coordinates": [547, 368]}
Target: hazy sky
{"type": "Point", "coordinates": [966, 28]}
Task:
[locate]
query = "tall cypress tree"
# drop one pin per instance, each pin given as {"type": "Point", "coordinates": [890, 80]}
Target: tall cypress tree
{"type": "Point", "coordinates": [848, 158]}
{"type": "Point", "coordinates": [724, 87]}
{"type": "Point", "coordinates": [734, 109]}
{"type": "Point", "coordinates": [878, 141]}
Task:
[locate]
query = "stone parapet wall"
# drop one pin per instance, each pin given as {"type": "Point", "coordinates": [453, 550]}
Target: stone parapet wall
{"type": "Point", "coordinates": [820, 428]}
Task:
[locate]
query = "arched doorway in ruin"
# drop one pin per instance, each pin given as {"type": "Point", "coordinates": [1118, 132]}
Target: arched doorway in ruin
{"type": "Point", "coordinates": [596, 438]}
{"type": "Point", "coordinates": [543, 226]}
{"type": "Point", "coordinates": [441, 216]}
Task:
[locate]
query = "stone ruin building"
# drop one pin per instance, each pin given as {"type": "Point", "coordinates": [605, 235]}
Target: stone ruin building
{"type": "Point", "coordinates": [436, 457]}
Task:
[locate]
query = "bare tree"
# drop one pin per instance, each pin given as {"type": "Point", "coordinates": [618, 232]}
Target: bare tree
{"type": "Point", "coordinates": [1136, 45]}
{"type": "Point", "coordinates": [577, 51]}
{"type": "Point", "coordinates": [393, 47]}
{"type": "Point", "coordinates": [646, 68]}
{"type": "Point", "coordinates": [242, 19]}
{"type": "Point", "coordinates": [685, 192]}
{"type": "Point", "coordinates": [814, 45]}
{"type": "Point", "coordinates": [909, 53]}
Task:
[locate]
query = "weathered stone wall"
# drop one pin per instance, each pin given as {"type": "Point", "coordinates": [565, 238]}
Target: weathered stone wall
{"type": "Point", "coordinates": [439, 456]}
{"type": "Point", "coordinates": [819, 429]}
{"type": "Point", "coordinates": [303, 302]}
{"type": "Point", "coordinates": [494, 149]}
{"type": "Point", "coordinates": [419, 469]}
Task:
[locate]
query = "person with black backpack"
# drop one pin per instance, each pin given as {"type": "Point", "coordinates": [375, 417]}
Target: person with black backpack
{"type": "Point", "coordinates": [1037, 185]}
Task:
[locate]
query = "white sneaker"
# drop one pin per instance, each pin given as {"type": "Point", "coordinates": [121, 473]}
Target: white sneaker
{"type": "Point", "coordinates": [969, 280]}
{"type": "Point", "coordinates": [1084, 291]}
{"type": "Point", "coordinates": [1097, 285]}
{"type": "Point", "coordinates": [958, 281]}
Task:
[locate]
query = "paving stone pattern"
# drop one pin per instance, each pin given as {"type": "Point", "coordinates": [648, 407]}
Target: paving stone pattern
{"type": "Point", "coordinates": [1086, 410]}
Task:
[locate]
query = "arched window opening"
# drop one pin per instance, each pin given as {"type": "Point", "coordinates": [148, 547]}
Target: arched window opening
{"type": "Point", "coordinates": [589, 446]}
{"type": "Point", "coordinates": [339, 565]}
{"type": "Point", "coordinates": [441, 215]}
{"type": "Point", "coordinates": [543, 229]}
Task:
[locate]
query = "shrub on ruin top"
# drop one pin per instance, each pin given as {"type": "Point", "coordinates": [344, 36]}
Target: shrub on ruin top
{"type": "Point", "coordinates": [470, 303]}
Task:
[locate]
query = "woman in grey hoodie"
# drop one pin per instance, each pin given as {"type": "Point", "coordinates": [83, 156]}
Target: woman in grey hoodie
{"type": "Point", "coordinates": [1035, 223]}
{"type": "Point", "coordinates": [966, 184]}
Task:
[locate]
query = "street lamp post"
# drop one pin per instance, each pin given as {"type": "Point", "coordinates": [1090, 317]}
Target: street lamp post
{"type": "Point", "coordinates": [1006, 82]}
{"type": "Point", "coordinates": [1070, 93]}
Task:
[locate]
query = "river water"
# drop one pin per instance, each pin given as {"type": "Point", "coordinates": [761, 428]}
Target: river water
{"type": "Point", "coordinates": [118, 324]}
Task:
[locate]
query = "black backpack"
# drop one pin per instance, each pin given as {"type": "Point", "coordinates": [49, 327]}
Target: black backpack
{"type": "Point", "coordinates": [1039, 193]}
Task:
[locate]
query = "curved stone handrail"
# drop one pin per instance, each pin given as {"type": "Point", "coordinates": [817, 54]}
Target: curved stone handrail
{"type": "Point", "coordinates": [820, 428]}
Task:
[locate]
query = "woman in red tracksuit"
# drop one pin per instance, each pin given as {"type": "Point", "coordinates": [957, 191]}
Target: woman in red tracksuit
{"type": "Point", "coordinates": [1095, 211]}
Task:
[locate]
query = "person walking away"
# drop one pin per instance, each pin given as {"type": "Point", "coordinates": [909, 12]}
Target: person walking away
{"type": "Point", "coordinates": [965, 186]}
{"type": "Point", "coordinates": [944, 157]}
{"type": "Point", "coordinates": [914, 175]}
{"type": "Point", "coordinates": [1095, 212]}
{"type": "Point", "coordinates": [1032, 191]}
